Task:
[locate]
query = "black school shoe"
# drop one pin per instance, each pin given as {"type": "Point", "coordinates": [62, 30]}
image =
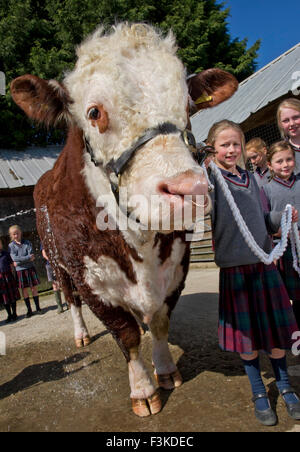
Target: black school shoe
{"type": "Point", "coordinates": [265, 417]}
{"type": "Point", "coordinates": [293, 409]}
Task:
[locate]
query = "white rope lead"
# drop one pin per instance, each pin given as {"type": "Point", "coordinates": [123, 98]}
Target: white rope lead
{"type": "Point", "coordinates": [295, 245]}
{"type": "Point", "coordinates": [286, 227]}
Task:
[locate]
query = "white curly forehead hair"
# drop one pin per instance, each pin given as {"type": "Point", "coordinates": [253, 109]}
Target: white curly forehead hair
{"type": "Point", "coordinates": [134, 73]}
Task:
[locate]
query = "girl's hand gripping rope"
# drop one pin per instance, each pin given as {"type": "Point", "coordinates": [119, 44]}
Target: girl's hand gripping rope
{"type": "Point", "coordinates": [295, 216]}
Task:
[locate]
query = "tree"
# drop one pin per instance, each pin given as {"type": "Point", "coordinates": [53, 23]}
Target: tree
{"type": "Point", "coordinates": [40, 37]}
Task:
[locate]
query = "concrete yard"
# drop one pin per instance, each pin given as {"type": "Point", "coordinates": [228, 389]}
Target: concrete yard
{"type": "Point", "coordinates": [46, 384]}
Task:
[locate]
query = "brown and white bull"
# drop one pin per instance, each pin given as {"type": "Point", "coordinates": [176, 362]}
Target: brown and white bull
{"type": "Point", "coordinates": [126, 106]}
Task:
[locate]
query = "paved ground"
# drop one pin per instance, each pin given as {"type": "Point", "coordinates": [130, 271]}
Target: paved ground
{"type": "Point", "coordinates": [48, 385]}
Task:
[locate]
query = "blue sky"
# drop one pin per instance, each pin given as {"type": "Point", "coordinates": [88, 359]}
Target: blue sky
{"type": "Point", "coordinates": [275, 22]}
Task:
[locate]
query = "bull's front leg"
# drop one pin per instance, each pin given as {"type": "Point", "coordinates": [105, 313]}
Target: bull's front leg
{"type": "Point", "coordinates": [144, 398]}
{"type": "Point", "coordinates": [165, 371]}
{"type": "Point", "coordinates": [124, 328]}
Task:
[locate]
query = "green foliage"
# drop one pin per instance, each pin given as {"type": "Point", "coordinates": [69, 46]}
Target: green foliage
{"type": "Point", "coordinates": [40, 37]}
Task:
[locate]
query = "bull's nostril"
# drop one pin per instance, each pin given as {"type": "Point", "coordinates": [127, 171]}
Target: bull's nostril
{"type": "Point", "coordinates": [166, 189]}
{"type": "Point", "coordinates": [163, 189]}
{"type": "Point", "coordinates": [184, 184]}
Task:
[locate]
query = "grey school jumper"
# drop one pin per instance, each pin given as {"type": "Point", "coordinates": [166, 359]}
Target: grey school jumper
{"type": "Point", "coordinates": [231, 249]}
{"type": "Point", "coordinates": [279, 193]}
{"type": "Point", "coordinates": [21, 254]}
{"type": "Point", "coordinates": [262, 177]}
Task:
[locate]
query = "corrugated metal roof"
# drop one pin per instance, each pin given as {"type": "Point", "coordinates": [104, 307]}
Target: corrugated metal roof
{"type": "Point", "coordinates": [254, 93]}
{"type": "Point", "coordinates": [24, 168]}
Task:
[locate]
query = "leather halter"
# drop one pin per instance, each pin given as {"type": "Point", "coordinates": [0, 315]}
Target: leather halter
{"type": "Point", "coordinates": [115, 168]}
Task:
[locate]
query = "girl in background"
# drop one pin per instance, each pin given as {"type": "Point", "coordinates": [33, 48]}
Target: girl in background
{"type": "Point", "coordinates": [23, 258]}
{"type": "Point", "coordinates": [288, 120]}
{"type": "Point", "coordinates": [9, 292]}
{"type": "Point", "coordinates": [283, 189]}
{"type": "Point", "coordinates": [255, 312]}
{"type": "Point", "coordinates": [55, 284]}
{"type": "Point", "coordinates": [256, 150]}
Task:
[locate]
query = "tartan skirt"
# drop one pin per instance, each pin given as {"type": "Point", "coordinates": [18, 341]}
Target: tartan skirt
{"type": "Point", "coordinates": [28, 278]}
{"type": "Point", "coordinates": [9, 292]}
{"type": "Point", "coordinates": [290, 277]}
{"type": "Point", "coordinates": [255, 312]}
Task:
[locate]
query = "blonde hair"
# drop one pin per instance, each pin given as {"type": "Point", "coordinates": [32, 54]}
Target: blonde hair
{"type": "Point", "coordinates": [258, 144]}
{"type": "Point", "coordinates": [287, 103]}
{"type": "Point", "coordinates": [219, 127]}
{"type": "Point", "coordinates": [13, 228]}
{"type": "Point", "coordinates": [278, 147]}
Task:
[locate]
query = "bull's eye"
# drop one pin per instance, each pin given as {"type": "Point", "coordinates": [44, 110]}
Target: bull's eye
{"type": "Point", "coordinates": [94, 113]}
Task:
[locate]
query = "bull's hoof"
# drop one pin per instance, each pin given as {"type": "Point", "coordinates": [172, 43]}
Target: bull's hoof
{"type": "Point", "coordinates": [86, 341]}
{"type": "Point", "coordinates": [79, 343]}
{"type": "Point", "coordinates": [155, 403]}
{"type": "Point", "coordinates": [83, 342]}
{"type": "Point", "coordinates": [142, 331]}
{"type": "Point", "coordinates": [146, 407]}
{"type": "Point", "coordinates": [169, 381]}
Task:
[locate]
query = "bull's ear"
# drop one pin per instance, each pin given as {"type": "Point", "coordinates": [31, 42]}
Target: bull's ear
{"type": "Point", "coordinates": [211, 87]}
{"type": "Point", "coordinates": [45, 101]}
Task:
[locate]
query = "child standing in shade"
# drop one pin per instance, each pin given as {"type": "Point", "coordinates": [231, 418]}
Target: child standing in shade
{"type": "Point", "coordinates": [288, 120]}
{"type": "Point", "coordinates": [255, 312]}
{"type": "Point", "coordinates": [9, 292]}
{"type": "Point", "coordinates": [55, 284]}
{"type": "Point", "coordinates": [284, 189]}
{"type": "Point", "coordinates": [23, 258]}
{"type": "Point", "coordinates": [256, 150]}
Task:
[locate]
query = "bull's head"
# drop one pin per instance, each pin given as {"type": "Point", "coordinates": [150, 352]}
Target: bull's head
{"type": "Point", "coordinates": [129, 95]}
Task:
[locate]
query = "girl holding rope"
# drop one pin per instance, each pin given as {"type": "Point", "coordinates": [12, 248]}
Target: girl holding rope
{"type": "Point", "coordinates": [284, 188]}
{"type": "Point", "coordinates": [255, 312]}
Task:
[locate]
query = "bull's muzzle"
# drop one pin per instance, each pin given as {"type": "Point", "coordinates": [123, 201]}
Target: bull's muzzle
{"type": "Point", "coordinates": [189, 183]}
{"type": "Point", "coordinates": [187, 194]}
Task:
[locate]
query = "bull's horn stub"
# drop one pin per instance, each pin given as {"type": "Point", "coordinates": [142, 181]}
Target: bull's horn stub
{"type": "Point", "coordinates": [203, 99]}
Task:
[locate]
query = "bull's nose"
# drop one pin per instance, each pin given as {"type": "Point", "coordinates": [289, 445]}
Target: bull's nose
{"type": "Point", "coordinates": [187, 183]}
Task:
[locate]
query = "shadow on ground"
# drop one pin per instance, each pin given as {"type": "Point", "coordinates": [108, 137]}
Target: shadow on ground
{"type": "Point", "coordinates": [46, 386]}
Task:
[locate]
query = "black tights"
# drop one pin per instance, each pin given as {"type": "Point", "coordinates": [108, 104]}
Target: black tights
{"type": "Point", "coordinates": [11, 309]}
